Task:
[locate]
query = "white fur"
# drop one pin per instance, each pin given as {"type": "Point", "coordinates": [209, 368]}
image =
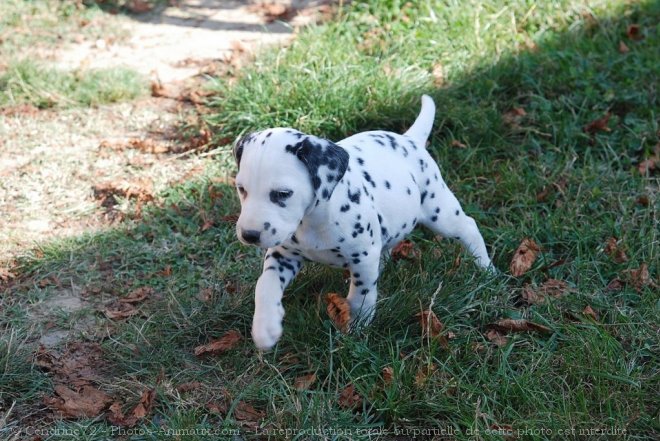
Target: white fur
{"type": "Point", "coordinates": [396, 178]}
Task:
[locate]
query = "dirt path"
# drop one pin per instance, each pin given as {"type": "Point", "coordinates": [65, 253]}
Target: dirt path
{"type": "Point", "coordinates": [52, 161]}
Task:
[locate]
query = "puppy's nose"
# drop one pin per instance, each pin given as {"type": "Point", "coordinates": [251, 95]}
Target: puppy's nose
{"type": "Point", "coordinates": [251, 236]}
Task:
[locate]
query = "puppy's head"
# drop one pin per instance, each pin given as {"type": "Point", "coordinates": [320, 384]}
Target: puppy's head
{"type": "Point", "coordinates": [283, 174]}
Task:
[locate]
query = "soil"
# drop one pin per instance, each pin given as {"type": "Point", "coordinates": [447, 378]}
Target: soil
{"type": "Point", "coordinates": [53, 162]}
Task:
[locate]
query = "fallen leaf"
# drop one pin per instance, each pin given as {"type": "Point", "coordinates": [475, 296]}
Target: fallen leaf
{"type": "Point", "coordinates": [89, 402]}
{"type": "Point", "coordinates": [615, 251]}
{"type": "Point", "coordinates": [349, 398]}
{"type": "Point", "coordinates": [647, 166]}
{"type": "Point", "coordinates": [550, 288]}
{"type": "Point", "coordinates": [643, 200]}
{"type": "Point", "coordinates": [145, 405]}
{"type": "Point", "coordinates": [339, 311]}
{"type": "Point", "coordinates": [514, 116]}
{"type": "Point", "coordinates": [588, 310]}
{"type": "Point", "coordinates": [634, 32]}
{"type": "Point", "coordinates": [141, 410]}
{"type": "Point", "coordinates": [404, 250]}
{"type": "Point", "coordinates": [423, 374]}
{"type": "Point", "coordinates": [518, 325]}
{"type": "Point", "coordinates": [271, 11]}
{"type": "Point", "coordinates": [438, 74]}
{"type": "Point", "coordinates": [166, 272]}
{"type": "Point", "coordinates": [615, 284]}
{"type": "Point", "coordinates": [388, 375]}
{"type": "Point", "coordinates": [205, 295]}
{"type": "Point", "coordinates": [137, 295]}
{"type": "Point", "coordinates": [495, 337]}
{"type": "Point", "coordinates": [120, 311]}
{"type": "Point", "coordinates": [139, 6]}
{"type": "Point", "coordinates": [458, 144]}
{"type": "Point", "coordinates": [228, 341]}
{"type": "Point", "coordinates": [432, 327]}
{"type": "Point", "coordinates": [524, 257]}
{"type": "Point", "coordinates": [598, 125]}
{"type": "Point", "coordinates": [623, 48]}
{"type": "Point", "coordinates": [187, 387]}
{"type": "Point", "coordinates": [304, 382]}
{"type": "Point", "coordinates": [246, 412]}
{"type": "Point", "coordinates": [639, 277]}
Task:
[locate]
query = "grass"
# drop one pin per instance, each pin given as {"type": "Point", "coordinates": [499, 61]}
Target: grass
{"type": "Point", "coordinates": [535, 175]}
{"type": "Point", "coordinates": [31, 29]}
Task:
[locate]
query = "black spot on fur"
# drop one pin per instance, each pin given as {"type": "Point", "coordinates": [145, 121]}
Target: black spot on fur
{"type": "Point", "coordinates": [345, 208]}
{"type": "Point", "coordinates": [354, 197]}
{"type": "Point", "coordinates": [423, 196]}
{"type": "Point", "coordinates": [457, 212]}
{"type": "Point", "coordinates": [387, 185]}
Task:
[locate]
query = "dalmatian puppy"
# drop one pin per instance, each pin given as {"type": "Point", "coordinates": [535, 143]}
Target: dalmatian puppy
{"type": "Point", "coordinates": [342, 204]}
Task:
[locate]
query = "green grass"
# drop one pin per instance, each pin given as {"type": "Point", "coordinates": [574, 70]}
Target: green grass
{"type": "Point", "coordinates": [30, 29]}
{"type": "Point", "coordinates": [44, 87]}
{"type": "Point", "coordinates": [586, 375]}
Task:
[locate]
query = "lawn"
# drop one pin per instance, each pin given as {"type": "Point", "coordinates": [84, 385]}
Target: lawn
{"type": "Point", "coordinates": [547, 129]}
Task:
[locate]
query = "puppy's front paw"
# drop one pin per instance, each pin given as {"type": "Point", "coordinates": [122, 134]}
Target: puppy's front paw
{"type": "Point", "coordinates": [361, 315]}
{"type": "Point", "coordinates": [266, 331]}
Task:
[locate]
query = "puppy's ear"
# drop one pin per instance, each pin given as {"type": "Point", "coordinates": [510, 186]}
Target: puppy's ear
{"type": "Point", "coordinates": [326, 162]}
{"type": "Point", "coordinates": [238, 149]}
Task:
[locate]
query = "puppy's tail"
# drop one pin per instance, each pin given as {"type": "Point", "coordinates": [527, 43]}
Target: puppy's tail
{"type": "Point", "coordinates": [421, 128]}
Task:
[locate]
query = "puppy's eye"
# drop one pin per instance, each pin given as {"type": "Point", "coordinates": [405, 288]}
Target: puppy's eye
{"type": "Point", "coordinates": [241, 190]}
{"type": "Point", "coordinates": [279, 196]}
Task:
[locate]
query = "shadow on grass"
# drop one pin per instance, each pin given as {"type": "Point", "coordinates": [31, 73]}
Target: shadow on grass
{"type": "Point", "coordinates": [531, 173]}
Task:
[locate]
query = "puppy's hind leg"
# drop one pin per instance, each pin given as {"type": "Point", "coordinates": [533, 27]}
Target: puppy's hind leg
{"type": "Point", "coordinates": [443, 215]}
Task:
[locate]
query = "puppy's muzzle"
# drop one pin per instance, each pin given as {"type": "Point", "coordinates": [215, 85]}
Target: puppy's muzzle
{"type": "Point", "coordinates": [251, 236]}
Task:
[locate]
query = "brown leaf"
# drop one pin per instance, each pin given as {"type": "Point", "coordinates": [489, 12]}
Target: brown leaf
{"type": "Point", "coordinates": [148, 145]}
{"type": "Point", "coordinates": [120, 311]}
{"type": "Point", "coordinates": [145, 405]}
{"type": "Point", "coordinates": [550, 288]}
{"type": "Point", "coordinates": [588, 310]}
{"type": "Point", "coordinates": [496, 337]}
{"type": "Point", "coordinates": [647, 165]}
{"type": "Point", "coordinates": [271, 11]}
{"type": "Point", "coordinates": [404, 250]}
{"type": "Point", "coordinates": [205, 295]}
{"type": "Point", "coordinates": [634, 32]}
{"type": "Point", "coordinates": [137, 295]}
{"type": "Point", "coordinates": [616, 252]}
{"type": "Point", "coordinates": [615, 284]}
{"type": "Point", "coordinates": [438, 74]}
{"type": "Point", "coordinates": [431, 326]}
{"type": "Point", "coordinates": [514, 116]}
{"type": "Point", "coordinates": [349, 398]}
{"type": "Point", "coordinates": [623, 48]}
{"type": "Point", "coordinates": [89, 402]}
{"type": "Point", "coordinates": [228, 341]}
{"type": "Point", "coordinates": [388, 375]}
{"type": "Point", "coordinates": [339, 311]}
{"type": "Point", "coordinates": [518, 325]}
{"type": "Point", "coordinates": [640, 277]}
{"type": "Point", "coordinates": [458, 144]}
{"type": "Point", "coordinates": [187, 387]}
{"type": "Point", "coordinates": [424, 373]}
{"type": "Point", "coordinates": [524, 257]}
{"type": "Point", "coordinates": [304, 382]}
{"type": "Point", "coordinates": [245, 412]}
{"type": "Point", "coordinates": [139, 6]}
{"type": "Point", "coordinates": [598, 125]}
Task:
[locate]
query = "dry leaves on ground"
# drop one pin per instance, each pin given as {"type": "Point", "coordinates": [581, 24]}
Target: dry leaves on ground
{"type": "Point", "coordinates": [87, 402]}
{"type": "Point", "coordinates": [640, 277]}
{"type": "Point", "coordinates": [615, 250]}
{"type": "Point", "coordinates": [339, 311]}
{"type": "Point", "coordinates": [514, 116]}
{"type": "Point", "coordinates": [432, 327]}
{"type": "Point", "coordinates": [137, 295]}
{"type": "Point", "coordinates": [650, 164]}
{"type": "Point", "coordinates": [248, 415]}
{"type": "Point", "coordinates": [550, 288]}
{"type": "Point", "coordinates": [589, 311]}
{"type": "Point", "coordinates": [304, 382]}
{"type": "Point", "coordinates": [623, 48]}
{"type": "Point", "coordinates": [423, 374]}
{"type": "Point", "coordinates": [187, 387]}
{"type": "Point", "coordinates": [73, 371]}
{"type": "Point", "coordinates": [228, 341]}
{"type": "Point", "coordinates": [634, 32]}
{"type": "Point", "coordinates": [518, 325]}
{"type": "Point", "coordinates": [405, 250]}
{"type": "Point", "coordinates": [349, 398]}
{"type": "Point", "coordinates": [496, 337]}
{"type": "Point", "coordinates": [598, 125]}
{"type": "Point", "coordinates": [119, 311]}
{"type": "Point", "coordinates": [524, 257]}
{"type": "Point", "coordinates": [107, 192]}
{"type": "Point", "coordinates": [388, 375]}
{"type": "Point", "coordinates": [141, 410]}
